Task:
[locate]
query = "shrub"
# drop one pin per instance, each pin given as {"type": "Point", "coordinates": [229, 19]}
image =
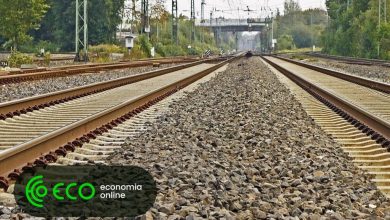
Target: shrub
{"type": "Point", "coordinates": [174, 50]}
{"type": "Point", "coordinates": [101, 53]}
{"type": "Point", "coordinates": [145, 45]}
{"type": "Point", "coordinates": [17, 59]}
{"type": "Point", "coordinates": [46, 58]}
{"type": "Point", "coordinates": [286, 42]}
{"type": "Point", "coordinates": [35, 47]}
{"type": "Point", "coordinates": [160, 49]}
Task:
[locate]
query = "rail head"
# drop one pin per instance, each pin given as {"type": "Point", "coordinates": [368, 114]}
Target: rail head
{"type": "Point", "coordinates": [364, 117]}
{"type": "Point", "coordinates": [379, 86]}
{"type": "Point", "coordinates": [17, 157]}
{"type": "Point", "coordinates": [20, 104]}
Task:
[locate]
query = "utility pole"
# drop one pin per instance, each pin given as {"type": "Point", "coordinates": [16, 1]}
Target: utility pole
{"type": "Point", "coordinates": [174, 22]}
{"type": "Point", "coordinates": [81, 40]}
{"type": "Point", "coordinates": [202, 11]}
{"type": "Point", "coordinates": [311, 28]}
{"type": "Point", "coordinates": [272, 32]}
{"type": "Point", "coordinates": [202, 19]}
{"type": "Point", "coordinates": [382, 16]}
{"type": "Point", "coordinates": [145, 17]}
{"type": "Point", "coordinates": [193, 20]}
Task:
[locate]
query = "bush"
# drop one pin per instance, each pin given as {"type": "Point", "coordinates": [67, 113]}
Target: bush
{"type": "Point", "coordinates": [174, 50]}
{"type": "Point", "coordinates": [285, 42]}
{"type": "Point", "coordinates": [46, 58]}
{"type": "Point", "coordinates": [136, 53]}
{"type": "Point", "coordinates": [101, 53]}
{"type": "Point", "coordinates": [17, 59]}
{"type": "Point", "coordinates": [35, 47]}
{"type": "Point", "coordinates": [145, 45]}
{"type": "Point", "coordinates": [160, 49]}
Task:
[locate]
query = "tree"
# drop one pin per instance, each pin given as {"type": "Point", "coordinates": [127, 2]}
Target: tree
{"type": "Point", "coordinates": [291, 6]}
{"type": "Point", "coordinates": [304, 27]}
{"type": "Point", "coordinates": [58, 25]}
{"type": "Point", "coordinates": [355, 30]}
{"type": "Point", "coordinates": [17, 17]}
{"type": "Point", "coordinates": [285, 42]}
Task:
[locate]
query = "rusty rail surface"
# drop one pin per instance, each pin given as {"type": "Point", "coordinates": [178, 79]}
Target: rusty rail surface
{"type": "Point", "coordinates": [379, 86]}
{"type": "Point", "coordinates": [71, 136]}
{"type": "Point", "coordinates": [377, 128]}
{"type": "Point", "coordinates": [22, 106]}
{"type": "Point", "coordinates": [352, 60]}
{"type": "Point", "coordinates": [43, 73]}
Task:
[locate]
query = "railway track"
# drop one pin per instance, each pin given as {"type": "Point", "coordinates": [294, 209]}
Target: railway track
{"type": "Point", "coordinates": [43, 73]}
{"type": "Point", "coordinates": [352, 60]}
{"type": "Point", "coordinates": [44, 135]}
{"type": "Point", "coordinates": [356, 115]}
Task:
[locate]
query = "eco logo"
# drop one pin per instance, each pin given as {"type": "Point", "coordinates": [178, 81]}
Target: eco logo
{"type": "Point", "coordinates": [85, 190]}
{"type": "Point", "coordinates": [36, 191]}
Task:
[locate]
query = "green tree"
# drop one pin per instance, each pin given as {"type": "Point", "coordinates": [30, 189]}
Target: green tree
{"type": "Point", "coordinates": [285, 42]}
{"type": "Point", "coordinates": [354, 30]}
{"type": "Point", "coordinates": [17, 17]}
{"type": "Point", "coordinates": [58, 25]}
{"type": "Point", "coordinates": [305, 27]}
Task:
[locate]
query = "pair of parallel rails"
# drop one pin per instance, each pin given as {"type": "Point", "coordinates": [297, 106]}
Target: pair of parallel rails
{"type": "Point", "coordinates": [38, 130]}
{"type": "Point", "coordinates": [356, 113]}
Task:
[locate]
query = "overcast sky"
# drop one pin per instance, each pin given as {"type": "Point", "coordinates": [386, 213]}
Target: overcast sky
{"type": "Point", "coordinates": [228, 8]}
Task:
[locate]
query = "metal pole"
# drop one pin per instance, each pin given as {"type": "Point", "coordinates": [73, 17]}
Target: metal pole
{"type": "Point", "coordinates": [202, 11]}
{"type": "Point", "coordinates": [379, 25]}
{"type": "Point", "coordinates": [311, 27]}
{"type": "Point", "coordinates": [174, 22]}
{"type": "Point", "coordinates": [86, 30]}
{"type": "Point", "coordinates": [379, 13]}
{"type": "Point", "coordinates": [77, 29]}
{"type": "Point", "coordinates": [193, 20]}
{"type": "Point", "coordinates": [272, 32]}
{"type": "Point", "coordinates": [385, 11]}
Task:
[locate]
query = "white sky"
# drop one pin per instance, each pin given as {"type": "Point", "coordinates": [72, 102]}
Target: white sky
{"type": "Point", "coordinates": [228, 8]}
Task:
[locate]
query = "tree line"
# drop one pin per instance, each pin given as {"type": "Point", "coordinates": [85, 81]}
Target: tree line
{"type": "Point", "coordinates": [28, 25]}
{"type": "Point", "coordinates": [51, 23]}
{"type": "Point", "coordinates": [355, 29]}
{"type": "Point", "coordinates": [298, 28]}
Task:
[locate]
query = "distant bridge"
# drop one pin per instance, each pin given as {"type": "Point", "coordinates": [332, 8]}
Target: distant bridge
{"type": "Point", "coordinates": [235, 25]}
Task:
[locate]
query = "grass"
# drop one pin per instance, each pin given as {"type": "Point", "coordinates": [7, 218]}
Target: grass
{"type": "Point", "coordinates": [300, 50]}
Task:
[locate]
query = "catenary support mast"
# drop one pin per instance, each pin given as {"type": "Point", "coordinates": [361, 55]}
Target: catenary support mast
{"type": "Point", "coordinates": [174, 22]}
{"type": "Point", "coordinates": [81, 41]}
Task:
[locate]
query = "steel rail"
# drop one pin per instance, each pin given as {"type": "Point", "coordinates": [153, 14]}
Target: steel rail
{"type": "Point", "coordinates": [20, 106]}
{"type": "Point", "coordinates": [352, 60]}
{"type": "Point", "coordinates": [379, 86]}
{"type": "Point", "coordinates": [42, 73]}
{"type": "Point", "coordinates": [373, 122]}
{"type": "Point", "coordinates": [17, 157]}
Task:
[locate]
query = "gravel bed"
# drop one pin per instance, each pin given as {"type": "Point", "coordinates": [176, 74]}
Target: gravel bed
{"type": "Point", "coordinates": [378, 73]}
{"type": "Point", "coordinates": [31, 88]}
{"type": "Point", "coordinates": [241, 147]}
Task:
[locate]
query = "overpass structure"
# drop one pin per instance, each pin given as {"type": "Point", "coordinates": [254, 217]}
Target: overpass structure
{"type": "Point", "coordinates": [235, 25]}
{"type": "Point", "coordinates": [219, 25]}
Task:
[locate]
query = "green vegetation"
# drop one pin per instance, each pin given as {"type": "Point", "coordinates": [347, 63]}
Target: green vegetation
{"type": "Point", "coordinates": [58, 25]}
{"type": "Point", "coordinates": [354, 30]}
{"type": "Point", "coordinates": [298, 28]}
{"type": "Point", "coordinates": [30, 25]}
{"type": "Point", "coordinates": [17, 59]}
{"type": "Point", "coordinates": [17, 17]}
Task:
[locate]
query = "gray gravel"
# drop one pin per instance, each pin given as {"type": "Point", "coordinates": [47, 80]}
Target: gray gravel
{"type": "Point", "coordinates": [241, 147]}
{"type": "Point", "coordinates": [378, 73]}
{"type": "Point", "coordinates": [31, 88]}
